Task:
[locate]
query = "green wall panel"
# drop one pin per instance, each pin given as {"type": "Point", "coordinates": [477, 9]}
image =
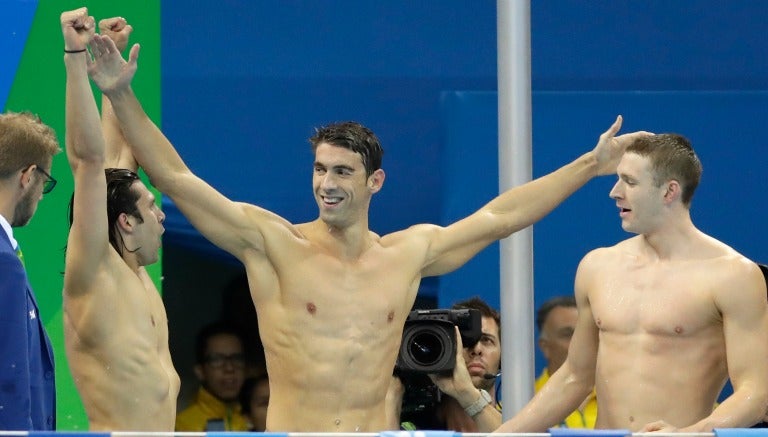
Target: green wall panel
{"type": "Point", "coordinates": [39, 87]}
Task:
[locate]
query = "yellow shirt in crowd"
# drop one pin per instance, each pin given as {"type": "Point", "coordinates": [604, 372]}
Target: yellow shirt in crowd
{"type": "Point", "coordinates": [207, 408]}
{"type": "Point", "coordinates": [584, 417]}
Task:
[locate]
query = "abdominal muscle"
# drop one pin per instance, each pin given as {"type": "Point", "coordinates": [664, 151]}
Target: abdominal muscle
{"type": "Point", "coordinates": [329, 372]}
{"type": "Point", "coordinates": [120, 399]}
{"type": "Point", "coordinates": [636, 384]}
{"type": "Point", "coordinates": [117, 348]}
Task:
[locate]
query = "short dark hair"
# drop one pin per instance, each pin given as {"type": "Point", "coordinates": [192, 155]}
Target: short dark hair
{"type": "Point", "coordinates": [352, 136]}
{"type": "Point", "coordinates": [211, 330]}
{"type": "Point", "coordinates": [121, 198]}
{"type": "Point", "coordinates": [479, 304]}
{"type": "Point", "coordinates": [672, 157]}
{"type": "Point", "coordinates": [548, 306]}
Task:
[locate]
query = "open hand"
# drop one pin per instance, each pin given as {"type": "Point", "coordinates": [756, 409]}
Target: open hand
{"type": "Point", "coordinates": [109, 70]}
{"type": "Point", "coordinates": [610, 148]}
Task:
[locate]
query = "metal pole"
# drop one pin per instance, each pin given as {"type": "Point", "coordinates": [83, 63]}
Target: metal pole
{"type": "Point", "coordinates": [516, 257]}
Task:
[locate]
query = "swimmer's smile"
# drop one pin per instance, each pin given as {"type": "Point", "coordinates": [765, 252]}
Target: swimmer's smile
{"type": "Point", "coordinates": [331, 200]}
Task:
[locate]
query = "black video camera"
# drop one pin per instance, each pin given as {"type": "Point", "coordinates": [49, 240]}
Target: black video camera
{"type": "Point", "coordinates": [429, 344]}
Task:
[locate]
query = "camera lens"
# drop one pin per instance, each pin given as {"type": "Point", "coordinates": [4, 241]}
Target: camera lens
{"type": "Point", "coordinates": [426, 348]}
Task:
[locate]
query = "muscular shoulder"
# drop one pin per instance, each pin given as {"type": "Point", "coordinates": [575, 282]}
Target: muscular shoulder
{"type": "Point", "coordinates": [603, 256]}
{"type": "Point", "coordinates": [734, 271]}
{"type": "Point", "coordinates": [718, 259]}
{"type": "Point", "coordinates": [81, 278]}
{"type": "Point", "coordinates": [416, 234]}
{"type": "Point", "coordinates": [733, 279]}
{"type": "Point", "coordinates": [603, 262]}
{"type": "Point", "coordinates": [258, 217]}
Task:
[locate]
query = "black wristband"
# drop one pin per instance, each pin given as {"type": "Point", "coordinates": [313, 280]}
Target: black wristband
{"type": "Point", "coordinates": [74, 51]}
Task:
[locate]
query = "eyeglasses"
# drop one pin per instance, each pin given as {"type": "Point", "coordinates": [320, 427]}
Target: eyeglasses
{"type": "Point", "coordinates": [50, 183]}
{"type": "Point", "coordinates": [218, 361]}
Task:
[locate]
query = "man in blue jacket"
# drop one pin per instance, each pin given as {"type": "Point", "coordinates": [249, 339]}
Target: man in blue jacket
{"type": "Point", "coordinates": [27, 394]}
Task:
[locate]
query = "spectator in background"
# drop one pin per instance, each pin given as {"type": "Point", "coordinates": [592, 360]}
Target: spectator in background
{"type": "Point", "coordinates": [220, 368]}
{"type": "Point", "coordinates": [254, 398]}
{"type": "Point", "coordinates": [470, 401]}
{"type": "Point", "coordinates": [237, 308]}
{"type": "Point", "coordinates": [467, 402]}
{"type": "Point", "coordinates": [556, 321]}
{"type": "Point", "coordinates": [27, 396]}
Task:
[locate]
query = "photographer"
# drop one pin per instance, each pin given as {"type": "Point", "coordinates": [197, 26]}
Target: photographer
{"type": "Point", "coordinates": [467, 402]}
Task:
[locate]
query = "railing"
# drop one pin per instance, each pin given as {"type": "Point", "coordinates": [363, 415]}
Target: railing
{"type": "Point", "coordinates": [577, 433]}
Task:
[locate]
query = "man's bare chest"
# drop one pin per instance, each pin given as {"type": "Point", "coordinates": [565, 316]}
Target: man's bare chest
{"type": "Point", "coordinates": [654, 301]}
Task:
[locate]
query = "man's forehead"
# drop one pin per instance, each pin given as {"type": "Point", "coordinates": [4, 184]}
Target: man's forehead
{"type": "Point", "coordinates": [333, 156]}
{"type": "Point", "coordinates": [561, 315]}
{"type": "Point", "coordinates": [633, 163]}
{"type": "Point", "coordinates": [489, 326]}
{"type": "Point", "coordinates": [223, 340]}
{"type": "Point", "coordinates": [327, 151]}
{"type": "Point", "coordinates": [142, 189]}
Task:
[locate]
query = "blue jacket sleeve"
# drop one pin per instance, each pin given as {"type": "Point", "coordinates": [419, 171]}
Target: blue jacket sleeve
{"type": "Point", "coordinates": [15, 397]}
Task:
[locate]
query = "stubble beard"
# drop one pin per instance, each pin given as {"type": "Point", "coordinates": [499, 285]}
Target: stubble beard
{"type": "Point", "coordinates": [24, 211]}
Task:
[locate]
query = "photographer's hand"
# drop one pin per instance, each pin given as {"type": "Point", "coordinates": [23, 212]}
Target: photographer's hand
{"type": "Point", "coordinates": [459, 384]}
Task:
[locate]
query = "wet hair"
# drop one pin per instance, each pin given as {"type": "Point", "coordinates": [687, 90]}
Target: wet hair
{"type": "Point", "coordinates": [25, 140]}
{"type": "Point", "coordinates": [548, 306]}
{"type": "Point", "coordinates": [351, 136]}
{"type": "Point", "coordinates": [121, 198]}
{"type": "Point", "coordinates": [672, 157]}
{"type": "Point", "coordinates": [477, 303]}
{"type": "Point", "coordinates": [211, 330]}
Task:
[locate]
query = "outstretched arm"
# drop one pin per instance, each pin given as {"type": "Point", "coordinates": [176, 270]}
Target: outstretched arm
{"type": "Point", "coordinates": [117, 154]}
{"type": "Point", "coordinates": [573, 381]}
{"type": "Point", "coordinates": [88, 237]}
{"type": "Point", "coordinates": [235, 227]}
{"type": "Point", "coordinates": [520, 207]}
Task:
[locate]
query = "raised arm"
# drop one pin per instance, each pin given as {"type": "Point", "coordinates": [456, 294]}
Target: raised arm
{"type": "Point", "coordinates": [118, 154]}
{"type": "Point", "coordinates": [235, 227]}
{"type": "Point", "coordinates": [88, 237]}
{"type": "Point", "coordinates": [567, 388]}
{"type": "Point", "coordinates": [520, 207]}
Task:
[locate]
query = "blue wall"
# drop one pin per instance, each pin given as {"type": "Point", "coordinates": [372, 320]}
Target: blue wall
{"type": "Point", "coordinates": [245, 82]}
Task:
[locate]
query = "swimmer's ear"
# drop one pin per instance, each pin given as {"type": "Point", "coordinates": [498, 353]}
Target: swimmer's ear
{"type": "Point", "coordinates": [674, 190]}
{"type": "Point", "coordinates": [376, 181]}
{"type": "Point", "coordinates": [124, 222]}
